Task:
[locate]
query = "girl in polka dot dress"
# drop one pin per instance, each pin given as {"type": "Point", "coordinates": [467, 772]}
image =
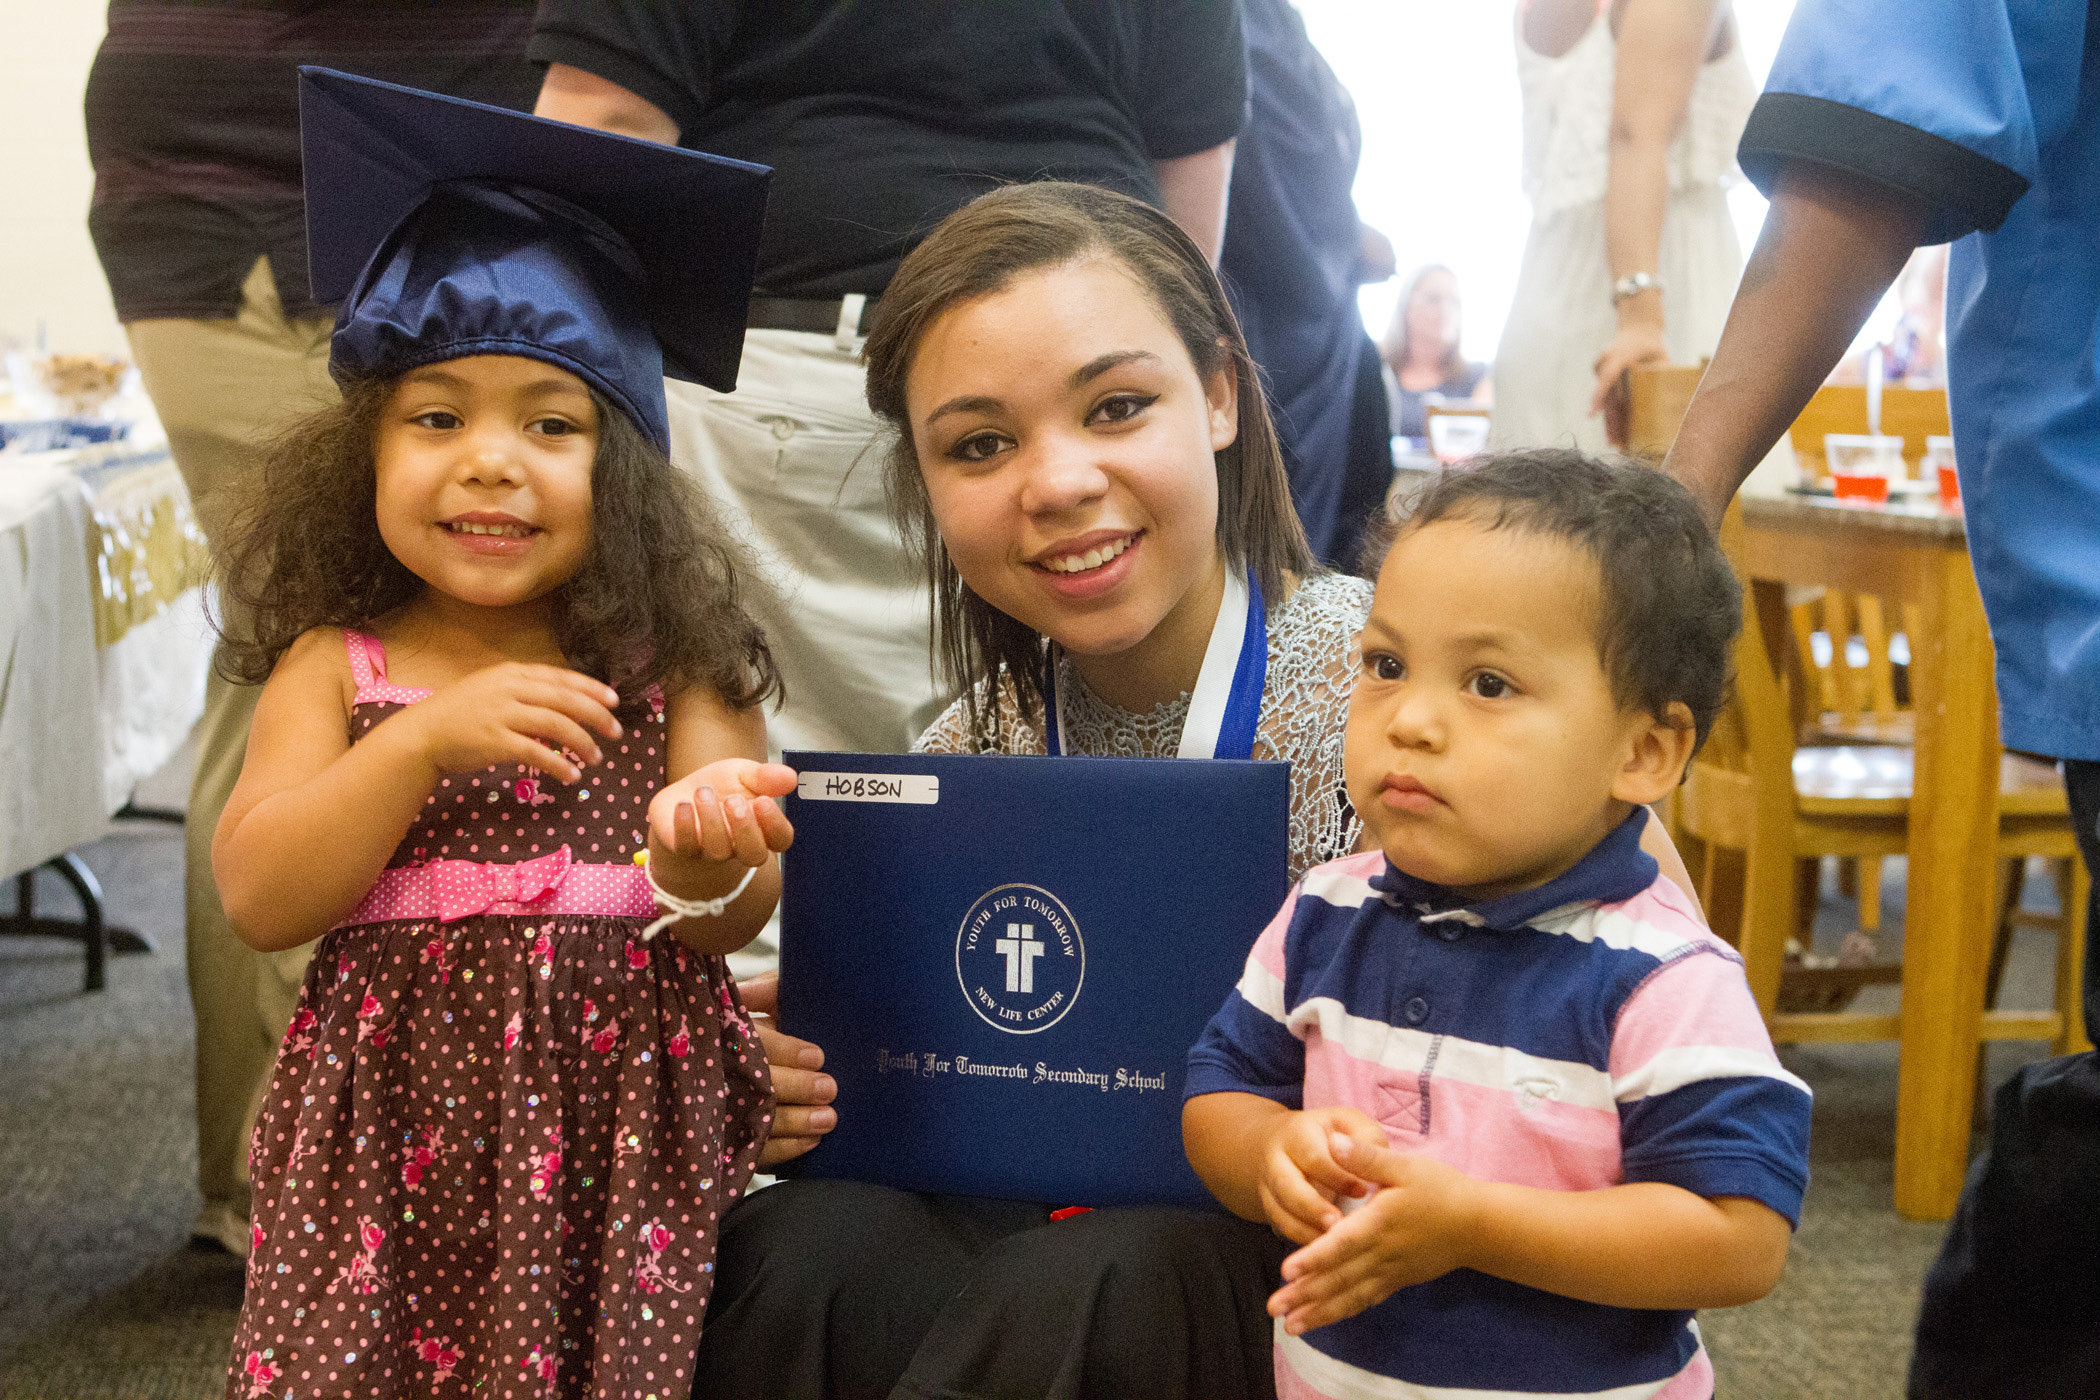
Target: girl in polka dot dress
{"type": "Point", "coordinates": [504, 655]}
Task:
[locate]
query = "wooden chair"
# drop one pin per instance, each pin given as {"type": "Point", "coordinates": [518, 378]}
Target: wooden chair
{"type": "Point", "coordinates": [1656, 399]}
{"type": "Point", "coordinates": [1911, 414]}
{"type": "Point", "coordinates": [1756, 790]}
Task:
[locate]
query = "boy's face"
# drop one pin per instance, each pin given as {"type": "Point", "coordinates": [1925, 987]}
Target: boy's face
{"type": "Point", "coordinates": [1485, 750]}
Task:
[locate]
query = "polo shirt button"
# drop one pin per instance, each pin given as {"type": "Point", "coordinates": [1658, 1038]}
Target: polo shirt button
{"type": "Point", "coordinates": [1417, 1011]}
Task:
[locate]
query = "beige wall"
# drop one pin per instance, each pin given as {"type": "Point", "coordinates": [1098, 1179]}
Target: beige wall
{"type": "Point", "coordinates": [48, 270]}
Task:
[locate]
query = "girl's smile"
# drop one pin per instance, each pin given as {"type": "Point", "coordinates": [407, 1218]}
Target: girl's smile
{"type": "Point", "coordinates": [483, 485]}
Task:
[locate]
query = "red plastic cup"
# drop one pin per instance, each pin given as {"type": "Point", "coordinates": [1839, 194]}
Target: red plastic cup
{"type": "Point", "coordinates": [1950, 489]}
{"type": "Point", "coordinates": [1871, 487]}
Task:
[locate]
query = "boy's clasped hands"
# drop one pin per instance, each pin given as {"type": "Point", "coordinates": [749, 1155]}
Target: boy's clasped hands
{"type": "Point", "coordinates": [1370, 1220]}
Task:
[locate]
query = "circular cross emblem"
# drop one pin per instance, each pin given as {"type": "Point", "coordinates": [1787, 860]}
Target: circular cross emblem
{"type": "Point", "coordinates": [1019, 959]}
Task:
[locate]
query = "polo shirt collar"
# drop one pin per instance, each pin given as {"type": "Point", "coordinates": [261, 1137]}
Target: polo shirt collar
{"type": "Point", "coordinates": [1615, 869]}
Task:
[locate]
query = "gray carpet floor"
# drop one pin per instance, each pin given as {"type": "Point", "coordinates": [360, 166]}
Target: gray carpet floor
{"type": "Point", "coordinates": [101, 1295]}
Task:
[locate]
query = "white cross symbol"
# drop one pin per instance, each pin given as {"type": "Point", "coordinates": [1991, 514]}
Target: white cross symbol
{"type": "Point", "coordinates": [1021, 948]}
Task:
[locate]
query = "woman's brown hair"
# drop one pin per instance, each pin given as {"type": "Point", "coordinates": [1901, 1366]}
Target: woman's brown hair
{"type": "Point", "coordinates": [976, 252]}
{"type": "Point", "coordinates": [1394, 346]}
{"type": "Point", "coordinates": [655, 601]}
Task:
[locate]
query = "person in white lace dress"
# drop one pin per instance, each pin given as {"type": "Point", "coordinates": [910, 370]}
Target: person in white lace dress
{"type": "Point", "coordinates": [1632, 111]}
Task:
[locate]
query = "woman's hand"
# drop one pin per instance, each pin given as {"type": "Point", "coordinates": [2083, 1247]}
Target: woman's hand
{"type": "Point", "coordinates": [545, 717]}
{"type": "Point", "coordinates": [725, 812]}
{"type": "Point", "coordinates": [802, 1096]}
{"type": "Point", "coordinates": [1639, 343]}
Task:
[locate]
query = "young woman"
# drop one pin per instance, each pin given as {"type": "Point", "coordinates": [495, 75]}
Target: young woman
{"type": "Point", "coordinates": [1085, 462]}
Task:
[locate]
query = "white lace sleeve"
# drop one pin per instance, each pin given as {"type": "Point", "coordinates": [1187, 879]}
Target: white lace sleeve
{"type": "Point", "coordinates": [1305, 708]}
{"type": "Point", "coordinates": [951, 733]}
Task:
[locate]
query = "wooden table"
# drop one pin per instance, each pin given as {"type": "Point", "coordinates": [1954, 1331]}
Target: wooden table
{"type": "Point", "coordinates": [1919, 554]}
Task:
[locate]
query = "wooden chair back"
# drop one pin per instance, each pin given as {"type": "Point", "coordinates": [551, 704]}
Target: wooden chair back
{"type": "Point", "coordinates": [1845, 692]}
{"type": "Point", "coordinates": [1656, 401]}
{"type": "Point", "coordinates": [1911, 414]}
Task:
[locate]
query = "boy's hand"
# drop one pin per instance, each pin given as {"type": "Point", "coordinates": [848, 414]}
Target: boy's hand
{"type": "Point", "coordinates": [545, 717]}
{"type": "Point", "coordinates": [1301, 1180]}
{"type": "Point", "coordinates": [725, 812]}
{"type": "Point", "coordinates": [1414, 1229]}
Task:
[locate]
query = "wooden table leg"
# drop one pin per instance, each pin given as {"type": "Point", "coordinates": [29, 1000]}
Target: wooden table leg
{"type": "Point", "coordinates": [1947, 905]}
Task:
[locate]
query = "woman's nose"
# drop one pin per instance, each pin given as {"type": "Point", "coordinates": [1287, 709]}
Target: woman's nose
{"type": "Point", "coordinates": [1061, 477]}
{"type": "Point", "coordinates": [491, 458]}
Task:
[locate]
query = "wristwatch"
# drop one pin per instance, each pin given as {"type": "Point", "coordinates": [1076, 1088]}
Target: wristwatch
{"type": "Point", "coordinates": [1632, 285]}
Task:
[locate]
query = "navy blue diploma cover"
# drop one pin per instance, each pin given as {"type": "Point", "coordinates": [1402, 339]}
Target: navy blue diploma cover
{"type": "Point", "coordinates": [1006, 961]}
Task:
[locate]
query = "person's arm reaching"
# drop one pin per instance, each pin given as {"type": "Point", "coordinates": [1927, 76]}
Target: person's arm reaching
{"type": "Point", "coordinates": [1193, 190]}
{"type": "Point", "coordinates": [1830, 247]}
{"type": "Point", "coordinates": [1661, 44]}
{"type": "Point", "coordinates": [570, 94]}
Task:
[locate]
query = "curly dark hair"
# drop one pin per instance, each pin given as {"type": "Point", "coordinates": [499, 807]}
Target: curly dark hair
{"type": "Point", "coordinates": [655, 600]}
{"type": "Point", "coordinates": [1671, 605]}
{"type": "Point", "coordinates": [977, 251]}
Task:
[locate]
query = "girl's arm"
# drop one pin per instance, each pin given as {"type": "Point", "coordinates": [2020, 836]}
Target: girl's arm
{"type": "Point", "coordinates": [1642, 1245]}
{"type": "Point", "coordinates": [718, 821]}
{"type": "Point", "coordinates": [315, 818]}
{"type": "Point", "coordinates": [1661, 44]}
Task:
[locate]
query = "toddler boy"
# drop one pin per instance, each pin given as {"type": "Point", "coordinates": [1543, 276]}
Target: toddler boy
{"type": "Point", "coordinates": [1496, 1078]}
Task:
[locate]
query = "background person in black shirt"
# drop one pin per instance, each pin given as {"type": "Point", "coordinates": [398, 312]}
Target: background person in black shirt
{"type": "Point", "coordinates": [1295, 253]}
{"type": "Point", "coordinates": [200, 226]}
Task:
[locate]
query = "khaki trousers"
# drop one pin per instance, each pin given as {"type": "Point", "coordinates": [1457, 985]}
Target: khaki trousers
{"type": "Point", "coordinates": [221, 389]}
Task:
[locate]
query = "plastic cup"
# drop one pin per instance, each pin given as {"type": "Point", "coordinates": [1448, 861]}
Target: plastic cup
{"type": "Point", "coordinates": [1860, 486]}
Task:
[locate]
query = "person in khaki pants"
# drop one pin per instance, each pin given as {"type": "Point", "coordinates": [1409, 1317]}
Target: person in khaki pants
{"type": "Point", "coordinates": [199, 221]}
{"type": "Point", "coordinates": [222, 387]}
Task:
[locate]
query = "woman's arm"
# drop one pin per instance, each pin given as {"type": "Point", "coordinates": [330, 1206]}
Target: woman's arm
{"type": "Point", "coordinates": [570, 94]}
{"type": "Point", "coordinates": [710, 827]}
{"type": "Point", "coordinates": [314, 818]}
{"type": "Point", "coordinates": [1661, 44]}
{"type": "Point", "coordinates": [1193, 190]}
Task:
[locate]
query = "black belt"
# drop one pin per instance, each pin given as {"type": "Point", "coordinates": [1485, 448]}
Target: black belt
{"type": "Point", "coordinates": [797, 314]}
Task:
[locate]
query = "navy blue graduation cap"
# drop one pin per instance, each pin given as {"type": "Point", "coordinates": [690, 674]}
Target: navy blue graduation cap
{"type": "Point", "coordinates": [448, 228]}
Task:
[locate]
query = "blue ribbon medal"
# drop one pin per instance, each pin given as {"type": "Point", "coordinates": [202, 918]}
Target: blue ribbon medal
{"type": "Point", "coordinates": [1226, 703]}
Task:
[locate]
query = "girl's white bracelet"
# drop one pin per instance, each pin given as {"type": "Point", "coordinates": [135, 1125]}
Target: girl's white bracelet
{"type": "Point", "coordinates": [682, 908]}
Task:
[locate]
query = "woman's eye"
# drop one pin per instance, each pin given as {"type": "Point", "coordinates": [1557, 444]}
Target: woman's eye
{"type": "Point", "coordinates": [437, 419]}
{"type": "Point", "coordinates": [978, 447]}
{"type": "Point", "coordinates": [1384, 665]}
{"type": "Point", "coordinates": [1121, 408]}
{"type": "Point", "coordinates": [1489, 686]}
{"type": "Point", "coordinates": [554, 427]}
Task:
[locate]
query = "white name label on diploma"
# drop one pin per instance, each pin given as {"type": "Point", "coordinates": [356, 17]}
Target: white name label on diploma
{"type": "Point", "coordinates": [922, 789]}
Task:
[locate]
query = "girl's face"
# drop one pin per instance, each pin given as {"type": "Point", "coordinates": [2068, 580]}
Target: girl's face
{"type": "Point", "coordinates": [1066, 442]}
{"type": "Point", "coordinates": [1432, 311]}
{"type": "Point", "coordinates": [484, 477]}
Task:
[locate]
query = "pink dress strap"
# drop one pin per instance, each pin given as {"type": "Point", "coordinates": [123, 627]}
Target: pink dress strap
{"type": "Point", "coordinates": [368, 669]}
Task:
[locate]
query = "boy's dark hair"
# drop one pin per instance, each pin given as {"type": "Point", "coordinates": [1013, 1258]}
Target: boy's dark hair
{"type": "Point", "coordinates": [1669, 605]}
{"type": "Point", "coordinates": [655, 600]}
{"type": "Point", "coordinates": [979, 250]}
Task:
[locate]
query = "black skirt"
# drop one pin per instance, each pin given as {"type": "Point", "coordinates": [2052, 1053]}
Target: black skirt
{"type": "Point", "coordinates": [841, 1289]}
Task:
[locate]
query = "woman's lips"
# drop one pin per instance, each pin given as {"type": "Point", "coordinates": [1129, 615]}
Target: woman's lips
{"type": "Point", "coordinates": [1092, 582]}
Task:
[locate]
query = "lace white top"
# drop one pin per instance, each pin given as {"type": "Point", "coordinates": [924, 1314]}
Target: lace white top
{"type": "Point", "coordinates": [1304, 705]}
{"type": "Point", "coordinates": [1567, 120]}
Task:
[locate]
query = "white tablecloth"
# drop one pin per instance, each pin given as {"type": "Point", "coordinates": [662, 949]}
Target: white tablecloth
{"type": "Point", "coordinates": [82, 720]}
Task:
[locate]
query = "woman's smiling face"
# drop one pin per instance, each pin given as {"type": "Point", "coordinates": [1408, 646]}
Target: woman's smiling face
{"type": "Point", "coordinates": [1066, 442]}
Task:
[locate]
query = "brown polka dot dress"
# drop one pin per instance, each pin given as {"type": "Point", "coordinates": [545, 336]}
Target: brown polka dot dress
{"type": "Point", "coordinates": [503, 1128]}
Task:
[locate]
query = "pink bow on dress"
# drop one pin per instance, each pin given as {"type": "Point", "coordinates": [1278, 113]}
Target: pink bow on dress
{"type": "Point", "coordinates": [466, 887]}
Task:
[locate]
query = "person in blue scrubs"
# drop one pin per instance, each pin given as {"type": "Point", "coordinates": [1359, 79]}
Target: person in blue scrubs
{"type": "Point", "coordinates": [1888, 124]}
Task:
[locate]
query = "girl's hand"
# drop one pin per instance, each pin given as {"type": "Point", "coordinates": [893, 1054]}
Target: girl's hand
{"type": "Point", "coordinates": [1301, 1178]}
{"type": "Point", "coordinates": [1413, 1230]}
{"type": "Point", "coordinates": [725, 812]}
{"type": "Point", "coordinates": [545, 717]}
